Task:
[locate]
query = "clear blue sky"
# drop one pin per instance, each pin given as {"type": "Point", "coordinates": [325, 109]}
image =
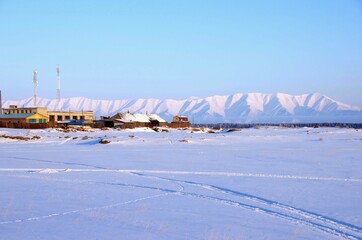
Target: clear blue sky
{"type": "Point", "coordinates": [130, 49]}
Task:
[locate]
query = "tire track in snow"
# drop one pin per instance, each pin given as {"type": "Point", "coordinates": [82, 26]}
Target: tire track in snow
{"type": "Point", "coordinates": [83, 210]}
{"type": "Point", "coordinates": [321, 222]}
{"type": "Point", "coordinates": [285, 207]}
{"type": "Point", "coordinates": [181, 188]}
{"type": "Point", "coordinates": [228, 202]}
{"type": "Point", "coordinates": [224, 201]}
{"type": "Point", "coordinates": [59, 162]}
{"type": "Point", "coordinates": [164, 190]}
{"type": "Point", "coordinates": [265, 211]}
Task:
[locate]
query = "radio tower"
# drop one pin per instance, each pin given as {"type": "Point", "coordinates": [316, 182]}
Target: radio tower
{"type": "Point", "coordinates": [35, 81]}
{"type": "Point", "coordinates": [58, 86]}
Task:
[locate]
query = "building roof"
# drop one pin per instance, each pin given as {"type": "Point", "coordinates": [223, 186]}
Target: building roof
{"type": "Point", "coordinates": [70, 112]}
{"type": "Point", "coordinates": [137, 117]}
{"type": "Point", "coordinates": [125, 117]}
{"type": "Point", "coordinates": [142, 118]}
{"type": "Point", "coordinates": [21, 116]}
{"type": "Point", "coordinates": [21, 107]}
{"type": "Point", "coordinates": [129, 117]}
{"type": "Point", "coordinates": [155, 117]}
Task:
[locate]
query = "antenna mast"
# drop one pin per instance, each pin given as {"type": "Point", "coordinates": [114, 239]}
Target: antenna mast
{"type": "Point", "coordinates": [35, 81]}
{"type": "Point", "coordinates": [58, 86]}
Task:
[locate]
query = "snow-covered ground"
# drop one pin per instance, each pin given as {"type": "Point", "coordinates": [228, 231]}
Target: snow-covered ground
{"type": "Point", "coordinates": [267, 183]}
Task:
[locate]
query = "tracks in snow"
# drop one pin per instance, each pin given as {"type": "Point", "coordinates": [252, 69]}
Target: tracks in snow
{"type": "Point", "coordinates": [54, 162]}
{"type": "Point", "coordinates": [84, 209]}
{"type": "Point", "coordinates": [286, 212]}
{"type": "Point", "coordinates": [239, 199]}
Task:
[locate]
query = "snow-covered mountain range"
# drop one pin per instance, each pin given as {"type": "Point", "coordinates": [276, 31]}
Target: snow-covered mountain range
{"type": "Point", "coordinates": [235, 108]}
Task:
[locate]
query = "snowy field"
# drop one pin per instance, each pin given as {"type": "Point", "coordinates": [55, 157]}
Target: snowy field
{"type": "Point", "coordinates": [267, 183]}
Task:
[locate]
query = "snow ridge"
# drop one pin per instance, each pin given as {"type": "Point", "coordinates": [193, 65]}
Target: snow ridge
{"type": "Point", "coordinates": [235, 108]}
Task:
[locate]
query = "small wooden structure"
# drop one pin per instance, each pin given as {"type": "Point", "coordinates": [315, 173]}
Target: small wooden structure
{"type": "Point", "coordinates": [104, 122]}
{"type": "Point", "coordinates": [180, 122]}
{"type": "Point", "coordinates": [180, 119]}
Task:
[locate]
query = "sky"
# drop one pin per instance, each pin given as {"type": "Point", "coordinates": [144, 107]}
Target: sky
{"type": "Point", "coordinates": [129, 49]}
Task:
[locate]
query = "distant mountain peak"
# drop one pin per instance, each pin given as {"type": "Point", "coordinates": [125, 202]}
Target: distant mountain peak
{"type": "Point", "coordinates": [235, 108]}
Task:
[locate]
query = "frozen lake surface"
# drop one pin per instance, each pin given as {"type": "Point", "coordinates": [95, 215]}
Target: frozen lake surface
{"type": "Point", "coordinates": [267, 183]}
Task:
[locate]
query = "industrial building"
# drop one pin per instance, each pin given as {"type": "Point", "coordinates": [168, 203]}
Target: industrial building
{"type": "Point", "coordinates": [14, 109]}
{"type": "Point", "coordinates": [55, 116]}
{"type": "Point", "coordinates": [27, 117]}
{"type": "Point", "coordinates": [51, 116]}
{"type": "Point", "coordinates": [24, 118]}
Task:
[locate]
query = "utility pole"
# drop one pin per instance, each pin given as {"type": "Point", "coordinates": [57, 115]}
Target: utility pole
{"type": "Point", "coordinates": [35, 82]}
{"type": "Point", "coordinates": [58, 87]}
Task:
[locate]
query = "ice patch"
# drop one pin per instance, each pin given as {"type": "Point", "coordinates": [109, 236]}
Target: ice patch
{"type": "Point", "coordinates": [49, 171]}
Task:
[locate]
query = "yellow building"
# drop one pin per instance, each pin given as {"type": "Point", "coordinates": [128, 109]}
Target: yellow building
{"type": "Point", "coordinates": [55, 116]}
{"type": "Point", "coordinates": [14, 109]}
{"type": "Point", "coordinates": [24, 118]}
{"type": "Point", "coordinates": [51, 116]}
{"type": "Point", "coordinates": [37, 118]}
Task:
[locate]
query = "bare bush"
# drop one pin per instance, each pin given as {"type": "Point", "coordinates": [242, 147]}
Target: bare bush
{"type": "Point", "coordinates": [20, 137]}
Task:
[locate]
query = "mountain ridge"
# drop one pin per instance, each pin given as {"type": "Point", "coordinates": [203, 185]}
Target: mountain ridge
{"type": "Point", "coordinates": [234, 108]}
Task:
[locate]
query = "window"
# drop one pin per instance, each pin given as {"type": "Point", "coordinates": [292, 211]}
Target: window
{"type": "Point", "coordinates": [32, 120]}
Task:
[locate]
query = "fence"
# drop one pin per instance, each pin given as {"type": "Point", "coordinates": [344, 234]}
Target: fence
{"type": "Point", "coordinates": [24, 125]}
{"type": "Point", "coordinates": [179, 125]}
